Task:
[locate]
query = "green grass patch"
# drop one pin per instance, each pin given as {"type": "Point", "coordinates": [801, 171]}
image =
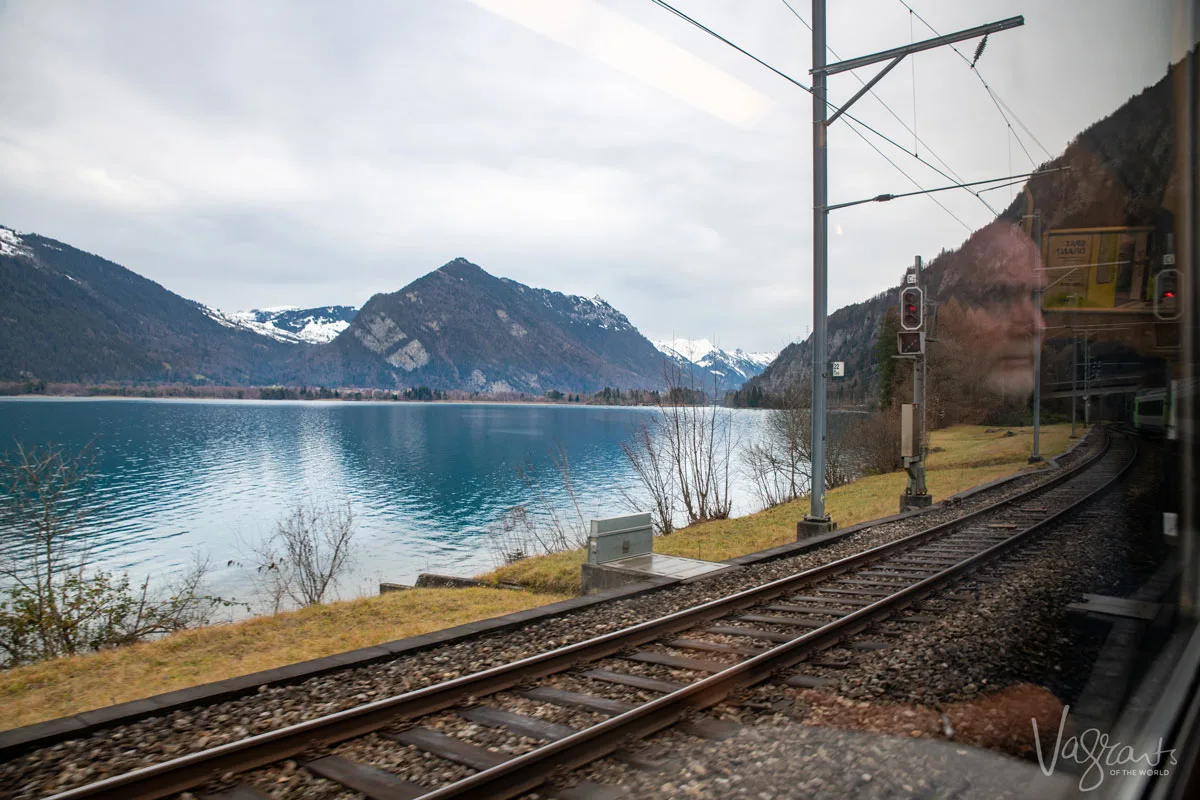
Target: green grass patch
{"type": "Point", "coordinates": [557, 572]}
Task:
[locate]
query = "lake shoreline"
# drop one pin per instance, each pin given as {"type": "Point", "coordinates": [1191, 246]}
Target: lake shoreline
{"type": "Point", "coordinates": [175, 478]}
{"type": "Point", "coordinates": [254, 393]}
{"type": "Point", "coordinates": [229, 393]}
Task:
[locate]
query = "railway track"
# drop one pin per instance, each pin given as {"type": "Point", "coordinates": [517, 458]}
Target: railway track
{"type": "Point", "coordinates": [734, 641]}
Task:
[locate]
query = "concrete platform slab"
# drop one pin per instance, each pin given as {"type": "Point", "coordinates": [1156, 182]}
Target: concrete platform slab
{"type": "Point", "coordinates": [646, 568]}
{"type": "Point", "coordinates": [666, 566]}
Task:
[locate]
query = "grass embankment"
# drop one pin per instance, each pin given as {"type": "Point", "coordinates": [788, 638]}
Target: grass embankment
{"type": "Point", "coordinates": [70, 685]}
{"type": "Point", "coordinates": [961, 457]}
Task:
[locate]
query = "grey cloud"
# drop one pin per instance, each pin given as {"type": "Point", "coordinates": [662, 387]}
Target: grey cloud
{"type": "Point", "coordinates": [309, 152]}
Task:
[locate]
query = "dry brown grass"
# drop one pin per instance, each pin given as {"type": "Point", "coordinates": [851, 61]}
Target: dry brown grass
{"type": "Point", "coordinates": [70, 685]}
{"type": "Point", "coordinates": [976, 445]}
{"type": "Point", "coordinates": [999, 721]}
{"type": "Point", "coordinates": [969, 455]}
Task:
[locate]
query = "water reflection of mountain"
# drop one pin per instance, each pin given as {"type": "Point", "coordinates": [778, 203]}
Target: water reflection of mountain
{"type": "Point", "coordinates": [455, 467]}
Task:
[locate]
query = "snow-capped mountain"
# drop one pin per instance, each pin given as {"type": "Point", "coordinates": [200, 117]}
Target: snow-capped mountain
{"type": "Point", "coordinates": [290, 323]}
{"type": "Point", "coordinates": [732, 367]}
{"type": "Point", "coordinates": [593, 311]}
{"type": "Point", "coordinates": [13, 245]}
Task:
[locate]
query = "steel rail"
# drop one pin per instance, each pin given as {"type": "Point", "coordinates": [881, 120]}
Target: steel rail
{"type": "Point", "coordinates": [188, 771]}
{"type": "Point", "coordinates": [528, 771]}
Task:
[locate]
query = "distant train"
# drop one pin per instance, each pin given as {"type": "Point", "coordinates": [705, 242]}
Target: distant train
{"type": "Point", "coordinates": [1154, 410]}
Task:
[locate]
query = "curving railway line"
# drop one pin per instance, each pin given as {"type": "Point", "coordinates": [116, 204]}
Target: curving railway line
{"type": "Point", "coordinates": [728, 643]}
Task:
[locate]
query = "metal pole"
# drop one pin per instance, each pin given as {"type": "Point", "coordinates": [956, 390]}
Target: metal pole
{"type": "Point", "coordinates": [924, 373]}
{"type": "Point", "coordinates": [917, 398]}
{"type": "Point", "coordinates": [1074, 377]}
{"type": "Point", "coordinates": [820, 262]}
{"type": "Point", "coordinates": [917, 475]}
{"type": "Point", "coordinates": [1086, 380]}
{"type": "Point", "coordinates": [1037, 348]}
{"type": "Point", "coordinates": [924, 415]}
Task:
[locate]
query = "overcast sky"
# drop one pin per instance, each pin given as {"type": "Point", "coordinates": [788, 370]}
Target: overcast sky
{"type": "Point", "coordinates": [249, 154]}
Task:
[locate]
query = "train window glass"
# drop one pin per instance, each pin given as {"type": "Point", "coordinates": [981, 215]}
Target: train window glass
{"type": "Point", "coordinates": [306, 154]}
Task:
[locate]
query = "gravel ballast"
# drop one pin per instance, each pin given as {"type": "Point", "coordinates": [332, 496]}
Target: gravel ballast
{"type": "Point", "coordinates": [773, 762]}
{"type": "Point", "coordinates": [912, 719]}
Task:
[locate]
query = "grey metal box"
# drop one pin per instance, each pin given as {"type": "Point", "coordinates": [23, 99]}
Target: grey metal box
{"type": "Point", "coordinates": [909, 434]}
{"type": "Point", "coordinates": [619, 537]}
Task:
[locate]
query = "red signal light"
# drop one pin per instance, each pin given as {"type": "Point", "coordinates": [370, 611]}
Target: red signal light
{"type": "Point", "coordinates": [1166, 304]}
{"type": "Point", "coordinates": [911, 308]}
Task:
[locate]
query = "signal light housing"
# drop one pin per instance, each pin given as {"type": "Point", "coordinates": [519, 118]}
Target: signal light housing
{"type": "Point", "coordinates": [1166, 294]}
{"type": "Point", "coordinates": [910, 343]}
{"type": "Point", "coordinates": [912, 308]}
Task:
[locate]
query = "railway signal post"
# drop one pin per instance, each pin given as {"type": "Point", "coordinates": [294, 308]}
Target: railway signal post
{"type": "Point", "coordinates": [1036, 456]}
{"type": "Point", "coordinates": [911, 345]}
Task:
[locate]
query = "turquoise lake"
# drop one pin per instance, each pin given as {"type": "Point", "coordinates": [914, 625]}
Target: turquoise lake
{"type": "Point", "coordinates": [179, 478]}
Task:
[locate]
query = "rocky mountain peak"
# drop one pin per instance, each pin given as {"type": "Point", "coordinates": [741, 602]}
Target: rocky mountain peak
{"type": "Point", "coordinates": [460, 268]}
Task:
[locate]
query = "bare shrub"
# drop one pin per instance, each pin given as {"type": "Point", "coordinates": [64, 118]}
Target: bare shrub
{"type": "Point", "coordinates": [875, 440]}
{"type": "Point", "coordinates": [562, 524]}
{"type": "Point", "coordinates": [841, 456]}
{"type": "Point", "coordinates": [647, 454]}
{"type": "Point", "coordinates": [957, 392]}
{"type": "Point", "coordinates": [544, 525]}
{"type": "Point", "coordinates": [309, 552]}
{"type": "Point", "coordinates": [53, 602]}
{"type": "Point", "coordinates": [508, 537]}
{"type": "Point", "coordinates": [779, 463]}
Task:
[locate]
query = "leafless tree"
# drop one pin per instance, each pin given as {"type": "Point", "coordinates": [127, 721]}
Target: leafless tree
{"type": "Point", "coordinates": [779, 462]}
{"type": "Point", "coordinates": [54, 602]}
{"type": "Point", "coordinates": [647, 455]}
{"type": "Point", "coordinates": [308, 553]}
{"type": "Point", "coordinates": [692, 438]}
{"type": "Point", "coordinates": [875, 441]}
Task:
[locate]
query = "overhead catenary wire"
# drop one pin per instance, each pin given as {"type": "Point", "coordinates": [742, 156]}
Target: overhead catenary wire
{"type": "Point", "coordinates": [1008, 140]}
{"type": "Point", "coordinates": [1011, 130]}
{"type": "Point", "coordinates": [1000, 106]}
{"type": "Point", "coordinates": [911, 179]}
{"type": "Point", "coordinates": [883, 198]}
{"type": "Point", "coordinates": [1006, 185]}
{"type": "Point", "coordinates": [912, 63]}
{"type": "Point", "coordinates": [746, 53]}
{"type": "Point", "coordinates": [790, 79]}
{"type": "Point", "coordinates": [949, 174]}
{"type": "Point", "coordinates": [1000, 100]}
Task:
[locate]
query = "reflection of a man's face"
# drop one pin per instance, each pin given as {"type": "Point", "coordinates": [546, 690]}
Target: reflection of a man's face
{"type": "Point", "coordinates": [1001, 315]}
